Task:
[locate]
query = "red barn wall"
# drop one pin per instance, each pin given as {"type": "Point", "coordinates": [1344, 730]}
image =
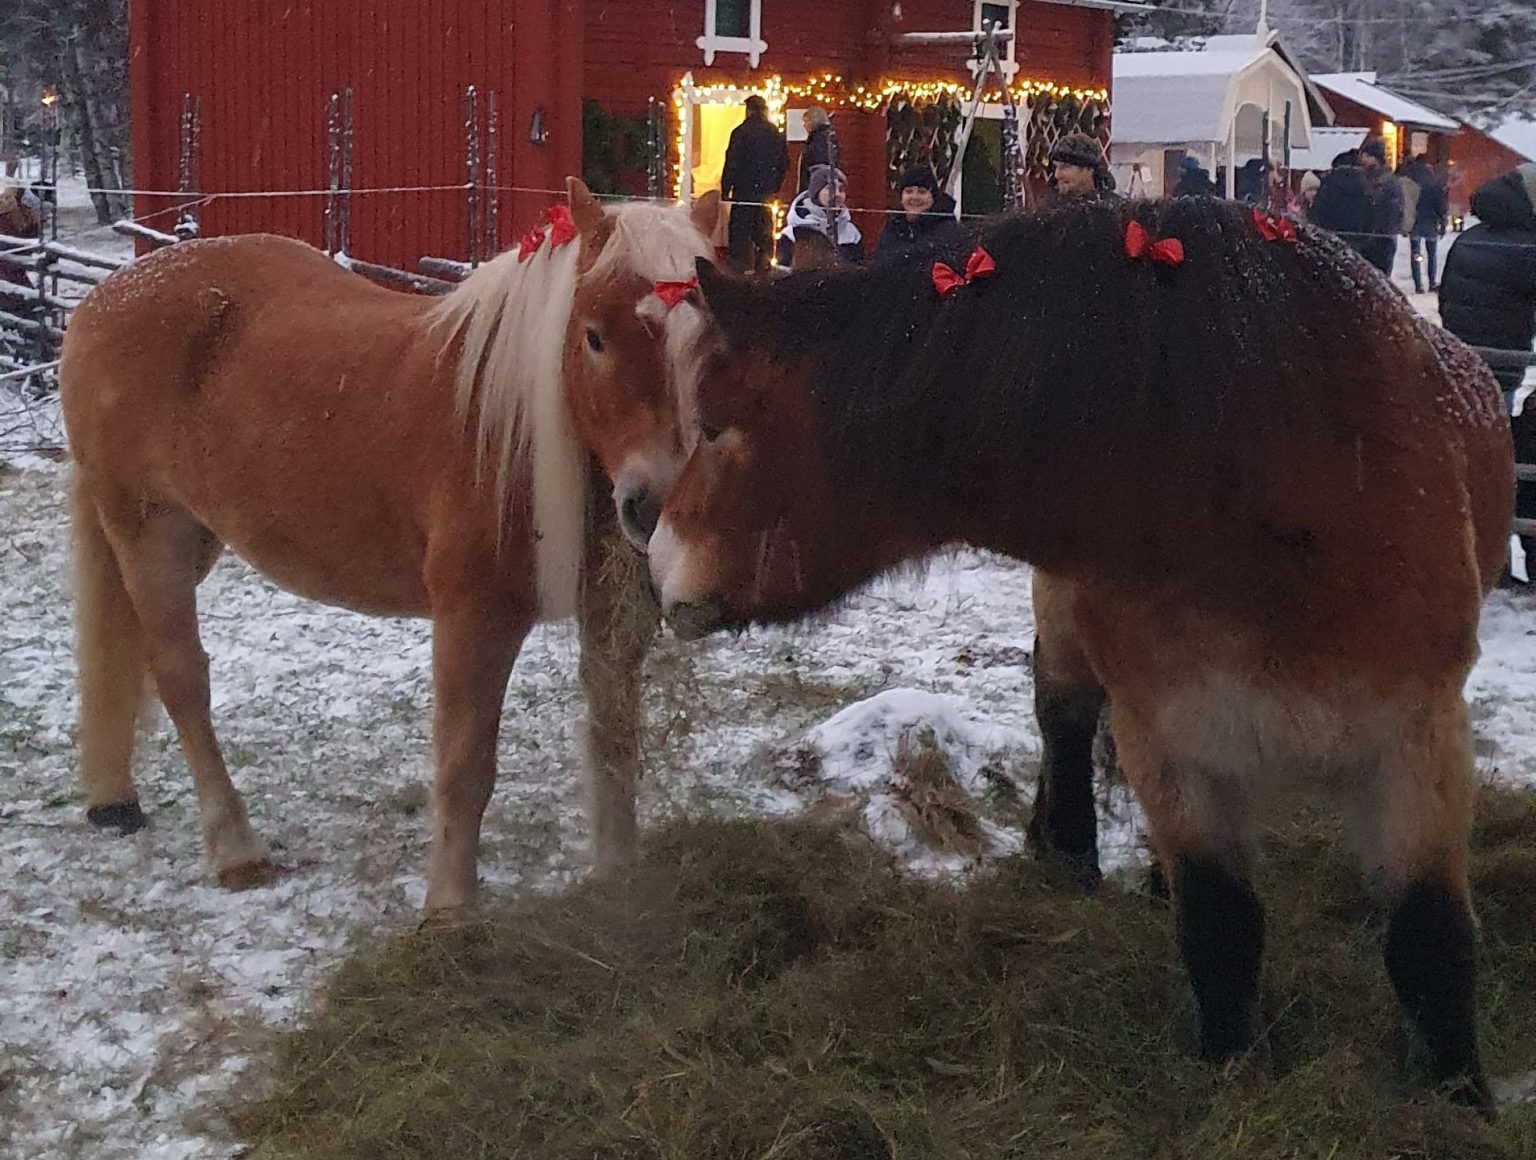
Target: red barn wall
{"type": "Point", "coordinates": [639, 49]}
{"type": "Point", "coordinates": [264, 70]}
{"type": "Point", "coordinates": [1476, 158]}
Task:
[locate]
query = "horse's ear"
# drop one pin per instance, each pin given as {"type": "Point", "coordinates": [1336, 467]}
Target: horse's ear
{"type": "Point", "coordinates": [586, 212]}
{"type": "Point", "coordinates": [705, 213]}
{"type": "Point", "coordinates": [724, 296]}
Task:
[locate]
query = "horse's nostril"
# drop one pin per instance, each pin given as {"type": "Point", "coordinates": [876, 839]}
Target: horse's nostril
{"type": "Point", "coordinates": [640, 513]}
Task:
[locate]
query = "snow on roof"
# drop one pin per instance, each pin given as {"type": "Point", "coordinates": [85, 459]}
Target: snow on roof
{"type": "Point", "coordinates": [1189, 95]}
{"type": "Point", "coordinates": [1327, 143]}
{"type": "Point", "coordinates": [1362, 88]}
{"type": "Point", "coordinates": [1519, 134]}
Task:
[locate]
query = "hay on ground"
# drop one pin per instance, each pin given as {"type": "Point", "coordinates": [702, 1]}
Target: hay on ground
{"type": "Point", "coordinates": [779, 992]}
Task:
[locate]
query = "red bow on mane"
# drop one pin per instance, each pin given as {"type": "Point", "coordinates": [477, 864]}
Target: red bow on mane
{"type": "Point", "coordinates": [671, 293]}
{"type": "Point", "coordinates": [528, 245]}
{"type": "Point", "coordinates": [1274, 228]}
{"type": "Point", "coordinates": [562, 227]}
{"type": "Point", "coordinates": [946, 279]}
{"type": "Point", "coordinates": [1139, 244]}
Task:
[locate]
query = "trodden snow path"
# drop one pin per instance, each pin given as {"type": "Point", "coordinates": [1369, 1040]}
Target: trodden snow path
{"type": "Point", "coordinates": [131, 990]}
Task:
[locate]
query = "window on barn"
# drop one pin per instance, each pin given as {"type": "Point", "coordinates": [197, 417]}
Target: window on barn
{"type": "Point", "coordinates": [733, 26]}
{"type": "Point", "coordinates": [1001, 14]}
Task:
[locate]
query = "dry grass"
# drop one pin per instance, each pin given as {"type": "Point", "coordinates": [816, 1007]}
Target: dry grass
{"type": "Point", "coordinates": [779, 993]}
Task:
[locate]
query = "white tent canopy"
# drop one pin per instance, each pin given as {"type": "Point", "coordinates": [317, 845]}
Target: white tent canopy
{"type": "Point", "coordinates": [1210, 101]}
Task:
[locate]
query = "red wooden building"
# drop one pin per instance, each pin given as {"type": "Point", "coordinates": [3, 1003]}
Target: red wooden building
{"type": "Point", "coordinates": [260, 74]}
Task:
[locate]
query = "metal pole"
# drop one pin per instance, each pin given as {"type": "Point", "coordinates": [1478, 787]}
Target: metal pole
{"type": "Point", "coordinates": [332, 168]}
{"type": "Point", "coordinates": [492, 238]}
{"type": "Point", "coordinates": [344, 200]}
{"type": "Point", "coordinates": [653, 148]}
{"type": "Point", "coordinates": [472, 172]}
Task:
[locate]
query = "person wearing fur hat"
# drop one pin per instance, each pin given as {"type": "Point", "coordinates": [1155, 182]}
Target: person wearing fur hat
{"type": "Point", "coordinates": [926, 223]}
{"type": "Point", "coordinates": [809, 211]}
{"type": "Point", "coordinates": [1079, 168]}
{"type": "Point", "coordinates": [1488, 298]}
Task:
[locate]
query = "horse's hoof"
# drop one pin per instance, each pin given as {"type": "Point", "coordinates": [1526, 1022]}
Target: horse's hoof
{"type": "Point", "coordinates": [247, 876]}
{"type": "Point", "coordinates": [124, 817]}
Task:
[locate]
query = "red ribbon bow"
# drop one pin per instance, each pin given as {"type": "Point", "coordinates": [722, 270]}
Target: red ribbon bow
{"type": "Point", "coordinates": [1273, 228]}
{"type": "Point", "coordinates": [562, 227]}
{"type": "Point", "coordinates": [946, 279]}
{"type": "Point", "coordinates": [1139, 244]}
{"type": "Point", "coordinates": [528, 245]}
{"type": "Point", "coordinates": [671, 293]}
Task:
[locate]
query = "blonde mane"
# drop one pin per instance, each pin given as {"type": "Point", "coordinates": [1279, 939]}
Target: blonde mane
{"type": "Point", "coordinates": [510, 319]}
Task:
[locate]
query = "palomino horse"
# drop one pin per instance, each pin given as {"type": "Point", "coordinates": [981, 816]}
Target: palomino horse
{"type": "Point", "coordinates": [387, 453]}
{"type": "Point", "coordinates": [1267, 499]}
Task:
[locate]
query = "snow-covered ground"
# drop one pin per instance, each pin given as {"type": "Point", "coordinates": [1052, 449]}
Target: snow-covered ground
{"type": "Point", "coordinates": [133, 990]}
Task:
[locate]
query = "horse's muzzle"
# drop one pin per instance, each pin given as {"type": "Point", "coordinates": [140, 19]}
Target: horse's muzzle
{"type": "Point", "coordinates": [639, 512]}
{"type": "Point", "coordinates": [697, 618]}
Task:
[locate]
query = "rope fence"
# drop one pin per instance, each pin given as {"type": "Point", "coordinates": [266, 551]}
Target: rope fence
{"type": "Point", "coordinates": [36, 316]}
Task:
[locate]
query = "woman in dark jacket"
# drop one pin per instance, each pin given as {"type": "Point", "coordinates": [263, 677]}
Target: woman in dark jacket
{"type": "Point", "coordinates": [1428, 224]}
{"type": "Point", "coordinates": [1488, 298]}
{"type": "Point", "coordinates": [927, 222]}
{"type": "Point", "coordinates": [818, 145]}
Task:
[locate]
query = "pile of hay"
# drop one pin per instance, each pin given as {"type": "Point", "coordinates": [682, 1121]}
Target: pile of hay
{"type": "Point", "coordinates": [779, 992]}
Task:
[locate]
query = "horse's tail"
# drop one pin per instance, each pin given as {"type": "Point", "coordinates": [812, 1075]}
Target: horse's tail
{"type": "Point", "coordinates": [112, 673]}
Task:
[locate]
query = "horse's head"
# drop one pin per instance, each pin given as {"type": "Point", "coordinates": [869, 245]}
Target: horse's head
{"type": "Point", "coordinates": [635, 343]}
{"type": "Point", "coordinates": [753, 529]}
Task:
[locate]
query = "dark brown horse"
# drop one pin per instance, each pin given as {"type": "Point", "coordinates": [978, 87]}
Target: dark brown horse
{"type": "Point", "coordinates": [1265, 502]}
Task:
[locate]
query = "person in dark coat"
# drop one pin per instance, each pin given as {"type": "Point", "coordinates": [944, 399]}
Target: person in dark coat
{"type": "Point", "coordinates": [1386, 205]}
{"type": "Point", "coordinates": [926, 223]}
{"type": "Point", "coordinates": [1488, 298]}
{"type": "Point", "coordinates": [1429, 219]}
{"type": "Point", "coordinates": [818, 145]}
{"type": "Point", "coordinates": [1354, 205]}
{"type": "Point", "coordinates": [1193, 181]}
{"type": "Point", "coordinates": [756, 160]}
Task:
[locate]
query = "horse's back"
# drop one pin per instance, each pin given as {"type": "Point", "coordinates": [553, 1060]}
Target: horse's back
{"type": "Point", "coordinates": [284, 402]}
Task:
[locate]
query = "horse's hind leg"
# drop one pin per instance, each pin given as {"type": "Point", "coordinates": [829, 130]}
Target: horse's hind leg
{"type": "Point", "coordinates": [1068, 703]}
{"type": "Point", "coordinates": [1412, 824]}
{"type": "Point", "coordinates": [109, 655]}
{"type": "Point", "coordinates": [619, 618]}
{"type": "Point", "coordinates": [1201, 834]}
{"type": "Point", "coordinates": [163, 556]}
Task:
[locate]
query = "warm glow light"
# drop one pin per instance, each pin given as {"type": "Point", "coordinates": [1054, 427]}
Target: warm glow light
{"type": "Point", "coordinates": [49, 99]}
{"type": "Point", "coordinates": [1389, 138]}
{"type": "Point", "coordinates": [830, 92]}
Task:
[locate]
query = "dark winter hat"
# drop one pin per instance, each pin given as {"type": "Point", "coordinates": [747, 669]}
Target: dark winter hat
{"type": "Point", "coordinates": [1527, 174]}
{"type": "Point", "coordinates": [1078, 149]}
{"type": "Point", "coordinates": [1190, 165]}
{"type": "Point", "coordinates": [1374, 147]}
{"type": "Point", "coordinates": [920, 177]}
{"type": "Point", "coordinates": [1348, 157]}
{"type": "Point", "coordinates": [821, 177]}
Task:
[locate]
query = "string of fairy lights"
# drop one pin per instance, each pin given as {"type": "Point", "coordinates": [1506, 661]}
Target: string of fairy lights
{"type": "Point", "coordinates": [831, 92]}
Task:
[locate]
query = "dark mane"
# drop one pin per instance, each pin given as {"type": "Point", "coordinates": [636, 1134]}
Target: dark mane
{"type": "Point", "coordinates": [1072, 340]}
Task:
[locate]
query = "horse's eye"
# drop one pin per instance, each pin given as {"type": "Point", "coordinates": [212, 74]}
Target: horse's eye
{"type": "Point", "coordinates": [594, 343]}
{"type": "Point", "coordinates": [710, 433]}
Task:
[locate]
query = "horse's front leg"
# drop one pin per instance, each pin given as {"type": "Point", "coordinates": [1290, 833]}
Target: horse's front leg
{"type": "Point", "coordinates": [473, 650]}
{"type": "Point", "coordinates": [619, 618]}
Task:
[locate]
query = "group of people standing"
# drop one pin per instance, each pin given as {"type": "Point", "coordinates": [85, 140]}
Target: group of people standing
{"type": "Point", "coordinates": [756, 165]}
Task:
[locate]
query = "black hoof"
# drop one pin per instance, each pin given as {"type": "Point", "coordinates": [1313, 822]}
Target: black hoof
{"type": "Point", "coordinates": [124, 817]}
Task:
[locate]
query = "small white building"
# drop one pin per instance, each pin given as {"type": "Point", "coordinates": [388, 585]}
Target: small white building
{"type": "Point", "coordinates": [1212, 102]}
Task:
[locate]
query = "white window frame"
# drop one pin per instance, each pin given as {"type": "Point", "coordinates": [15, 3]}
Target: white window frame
{"type": "Point", "coordinates": [1010, 50]}
{"type": "Point", "coordinates": [753, 44]}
